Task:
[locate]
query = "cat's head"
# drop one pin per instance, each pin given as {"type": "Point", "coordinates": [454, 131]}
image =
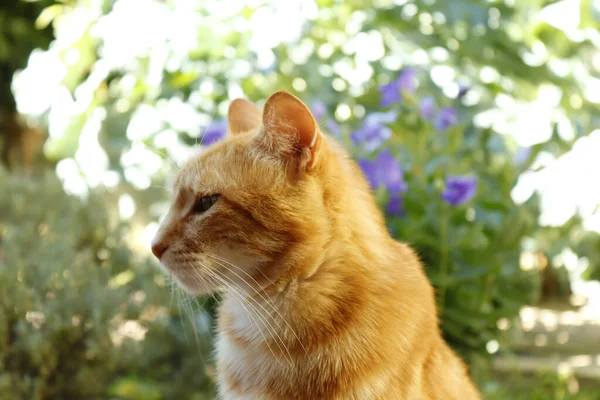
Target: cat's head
{"type": "Point", "coordinates": [248, 207]}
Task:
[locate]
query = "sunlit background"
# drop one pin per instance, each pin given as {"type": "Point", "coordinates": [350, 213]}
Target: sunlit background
{"type": "Point", "coordinates": [111, 96]}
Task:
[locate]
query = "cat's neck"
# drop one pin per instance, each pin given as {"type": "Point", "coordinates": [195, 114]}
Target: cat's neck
{"type": "Point", "coordinates": [297, 310]}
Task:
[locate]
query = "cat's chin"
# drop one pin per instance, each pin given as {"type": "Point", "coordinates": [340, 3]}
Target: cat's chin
{"type": "Point", "coordinates": [191, 281]}
{"type": "Point", "coordinates": [193, 286]}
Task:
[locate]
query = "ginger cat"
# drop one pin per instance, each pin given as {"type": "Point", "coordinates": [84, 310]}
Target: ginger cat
{"type": "Point", "coordinates": [319, 301]}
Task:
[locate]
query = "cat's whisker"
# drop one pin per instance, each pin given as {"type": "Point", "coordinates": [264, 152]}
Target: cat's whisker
{"type": "Point", "coordinates": [165, 155]}
{"type": "Point", "coordinates": [187, 306]}
{"type": "Point", "coordinates": [179, 291]}
{"type": "Point", "coordinates": [222, 261]}
{"type": "Point", "coordinates": [265, 299]}
{"type": "Point", "coordinates": [199, 308]}
{"type": "Point", "coordinates": [253, 316]}
{"type": "Point", "coordinates": [264, 319]}
{"type": "Point", "coordinates": [242, 296]}
{"type": "Point", "coordinates": [204, 131]}
{"type": "Point", "coordinates": [201, 136]}
{"type": "Point", "coordinates": [191, 317]}
{"type": "Point", "coordinates": [261, 296]}
{"type": "Point", "coordinates": [240, 269]}
{"type": "Point", "coordinates": [172, 287]}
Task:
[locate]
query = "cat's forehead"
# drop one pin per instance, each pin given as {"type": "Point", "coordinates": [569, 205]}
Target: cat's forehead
{"type": "Point", "coordinates": [211, 169]}
{"type": "Point", "coordinates": [196, 172]}
{"type": "Point", "coordinates": [189, 173]}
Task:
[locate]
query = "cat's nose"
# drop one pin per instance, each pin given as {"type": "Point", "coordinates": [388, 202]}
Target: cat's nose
{"type": "Point", "coordinates": [159, 247]}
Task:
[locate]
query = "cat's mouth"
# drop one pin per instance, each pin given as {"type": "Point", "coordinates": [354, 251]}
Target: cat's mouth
{"type": "Point", "coordinates": [193, 276]}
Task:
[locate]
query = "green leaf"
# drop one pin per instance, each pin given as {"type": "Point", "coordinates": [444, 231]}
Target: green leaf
{"type": "Point", "coordinates": [181, 80]}
{"type": "Point", "coordinates": [468, 317]}
{"type": "Point", "coordinates": [589, 14]}
{"type": "Point", "coordinates": [135, 389]}
{"type": "Point", "coordinates": [470, 273]}
{"type": "Point", "coordinates": [436, 163]}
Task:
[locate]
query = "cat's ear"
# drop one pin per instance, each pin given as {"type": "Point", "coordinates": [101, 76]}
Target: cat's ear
{"type": "Point", "coordinates": [290, 128]}
{"type": "Point", "coordinates": [243, 116]}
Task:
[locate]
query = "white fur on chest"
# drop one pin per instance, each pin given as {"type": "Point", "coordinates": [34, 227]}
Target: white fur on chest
{"type": "Point", "coordinates": [249, 365]}
{"type": "Point", "coordinates": [241, 365]}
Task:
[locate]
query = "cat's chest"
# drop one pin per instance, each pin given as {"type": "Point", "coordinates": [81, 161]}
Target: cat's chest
{"type": "Point", "coordinates": [247, 364]}
{"type": "Point", "coordinates": [244, 372]}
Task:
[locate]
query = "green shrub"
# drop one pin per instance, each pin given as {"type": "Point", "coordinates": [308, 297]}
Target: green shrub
{"type": "Point", "coordinates": [77, 311]}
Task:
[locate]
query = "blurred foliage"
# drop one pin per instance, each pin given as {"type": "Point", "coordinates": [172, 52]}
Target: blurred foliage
{"type": "Point", "coordinates": [78, 313]}
{"type": "Point", "coordinates": [519, 386]}
{"type": "Point", "coordinates": [340, 58]}
{"type": "Point", "coordinates": [123, 96]}
{"type": "Point", "coordinates": [19, 35]}
{"type": "Point", "coordinates": [571, 237]}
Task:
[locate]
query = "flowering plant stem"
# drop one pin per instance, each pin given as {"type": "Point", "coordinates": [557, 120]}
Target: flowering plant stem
{"type": "Point", "coordinates": [445, 252]}
{"type": "Point", "coordinates": [422, 152]}
{"type": "Point", "coordinates": [485, 288]}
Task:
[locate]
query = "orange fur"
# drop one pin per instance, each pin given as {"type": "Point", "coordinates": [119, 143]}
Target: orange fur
{"type": "Point", "coordinates": [319, 301]}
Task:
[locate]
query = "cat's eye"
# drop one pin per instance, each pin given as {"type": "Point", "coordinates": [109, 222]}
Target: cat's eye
{"type": "Point", "coordinates": [204, 203]}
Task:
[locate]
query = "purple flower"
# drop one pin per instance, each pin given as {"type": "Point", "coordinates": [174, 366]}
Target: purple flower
{"type": "Point", "coordinates": [459, 189]}
{"type": "Point", "coordinates": [392, 92]}
{"type": "Point", "coordinates": [333, 127]}
{"type": "Point", "coordinates": [385, 171]}
{"type": "Point", "coordinates": [373, 131]}
{"type": "Point", "coordinates": [368, 168]}
{"type": "Point", "coordinates": [395, 206]}
{"type": "Point", "coordinates": [318, 109]}
{"type": "Point", "coordinates": [407, 80]}
{"type": "Point", "coordinates": [462, 90]}
{"type": "Point", "coordinates": [214, 132]}
{"type": "Point", "coordinates": [389, 172]}
{"type": "Point", "coordinates": [522, 155]}
{"type": "Point", "coordinates": [446, 118]}
{"type": "Point", "coordinates": [427, 107]}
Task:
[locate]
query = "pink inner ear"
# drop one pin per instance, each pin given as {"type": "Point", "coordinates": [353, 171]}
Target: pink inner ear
{"type": "Point", "coordinates": [291, 117]}
{"type": "Point", "coordinates": [243, 116]}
